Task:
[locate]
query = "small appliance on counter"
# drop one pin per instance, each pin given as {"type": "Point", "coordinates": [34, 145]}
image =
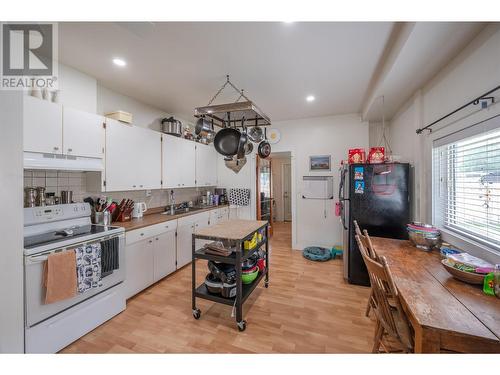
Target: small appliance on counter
{"type": "Point", "coordinates": [139, 209]}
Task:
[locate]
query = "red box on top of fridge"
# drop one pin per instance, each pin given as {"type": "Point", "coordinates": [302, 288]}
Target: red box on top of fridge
{"type": "Point", "coordinates": [376, 155]}
{"type": "Point", "coordinates": [357, 156]}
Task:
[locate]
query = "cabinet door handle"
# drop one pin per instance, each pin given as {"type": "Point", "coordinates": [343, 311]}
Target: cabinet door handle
{"type": "Point", "coordinates": [156, 239]}
{"type": "Point", "coordinates": [56, 148]}
{"type": "Point", "coordinates": [142, 234]}
{"type": "Point", "coordinates": [140, 185]}
{"type": "Point", "coordinates": [70, 149]}
{"type": "Point", "coordinates": [133, 186]}
{"type": "Point", "coordinates": [150, 241]}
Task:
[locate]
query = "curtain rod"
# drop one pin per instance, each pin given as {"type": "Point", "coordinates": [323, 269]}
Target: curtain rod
{"type": "Point", "coordinates": [474, 101]}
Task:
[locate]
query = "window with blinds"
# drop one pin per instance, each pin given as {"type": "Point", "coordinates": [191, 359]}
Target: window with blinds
{"type": "Point", "coordinates": [466, 183]}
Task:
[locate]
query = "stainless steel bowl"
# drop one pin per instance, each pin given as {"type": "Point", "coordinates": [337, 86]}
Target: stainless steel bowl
{"type": "Point", "coordinates": [425, 241]}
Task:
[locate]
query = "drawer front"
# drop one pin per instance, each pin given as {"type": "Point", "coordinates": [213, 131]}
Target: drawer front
{"type": "Point", "coordinates": [150, 231]}
{"type": "Point", "coordinates": [191, 219]}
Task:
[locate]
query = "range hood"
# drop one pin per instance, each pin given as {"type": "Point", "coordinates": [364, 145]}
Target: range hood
{"type": "Point", "coordinates": [36, 160]}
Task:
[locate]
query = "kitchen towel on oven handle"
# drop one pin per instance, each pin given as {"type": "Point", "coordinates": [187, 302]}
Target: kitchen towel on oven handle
{"type": "Point", "coordinates": [110, 256]}
{"type": "Point", "coordinates": [88, 267]}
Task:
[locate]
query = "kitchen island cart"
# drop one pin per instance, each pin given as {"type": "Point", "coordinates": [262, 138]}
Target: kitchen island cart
{"type": "Point", "coordinates": [235, 232]}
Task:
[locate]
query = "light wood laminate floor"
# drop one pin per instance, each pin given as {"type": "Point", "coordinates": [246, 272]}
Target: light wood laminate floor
{"type": "Point", "coordinates": [308, 308]}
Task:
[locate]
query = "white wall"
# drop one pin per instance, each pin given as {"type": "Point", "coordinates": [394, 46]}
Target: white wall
{"type": "Point", "coordinates": [473, 72]}
{"type": "Point", "coordinates": [332, 135]}
{"type": "Point", "coordinates": [77, 90]}
{"type": "Point", "coordinates": [11, 223]}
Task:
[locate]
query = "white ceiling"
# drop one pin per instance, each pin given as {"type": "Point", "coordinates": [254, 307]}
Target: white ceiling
{"type": "Point", "coordinates": [347, 66]}
{"type": "Point", "coordinates": [179, 66]}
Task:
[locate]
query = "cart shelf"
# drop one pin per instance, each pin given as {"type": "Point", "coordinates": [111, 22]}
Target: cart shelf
{"type": "Point", "coordinates": [230, 259]}
{"type": "Point", "coordinates": [247, 289]}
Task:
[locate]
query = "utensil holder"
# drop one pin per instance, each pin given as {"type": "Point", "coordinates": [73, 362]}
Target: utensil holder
{"type": "Point", "coordinates": [103, 218]}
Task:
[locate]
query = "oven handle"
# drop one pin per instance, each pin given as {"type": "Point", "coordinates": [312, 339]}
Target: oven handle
{"type": "Point", "coordinates": [39, 258]}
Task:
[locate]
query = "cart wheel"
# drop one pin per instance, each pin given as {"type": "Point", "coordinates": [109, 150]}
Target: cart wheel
{"type": "Point", "coordinates": [266, 284]}
{"type": "Point", "coordinates": [242, 325]}
{"type": "Point", "coordinates": [196, 313]}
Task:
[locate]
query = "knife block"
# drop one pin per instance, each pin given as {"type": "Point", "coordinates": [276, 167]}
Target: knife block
{"type": "Point", "coordinates": [124, 216]}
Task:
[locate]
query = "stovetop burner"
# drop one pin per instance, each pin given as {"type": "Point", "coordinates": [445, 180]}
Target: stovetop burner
{"type": "Point", "coordinates": [75, 232]}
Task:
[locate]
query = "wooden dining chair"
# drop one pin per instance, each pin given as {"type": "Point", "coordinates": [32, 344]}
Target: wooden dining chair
{"type": "Point", "coordinates": [391, 318]}
{"type": "Point", "coordinates": [371, 253]}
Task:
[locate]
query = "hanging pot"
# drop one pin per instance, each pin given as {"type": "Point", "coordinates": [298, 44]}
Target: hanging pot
{"type": "Point", "coordinates": [204, 127]}
{"type": "Point", "coordinates": [264, 147]}
{"type": "Point", "coordinates": [227, 141]}
{"type": "Point", "coordinates": [243, 140]}
{"type": "Point", "coordinates": [248, 148]}
{"type": "Point", "coordinates": [256, 134]}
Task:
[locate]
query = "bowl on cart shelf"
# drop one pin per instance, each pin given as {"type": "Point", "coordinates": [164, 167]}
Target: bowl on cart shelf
{"type": "Point", "coordinates": [249, 277]}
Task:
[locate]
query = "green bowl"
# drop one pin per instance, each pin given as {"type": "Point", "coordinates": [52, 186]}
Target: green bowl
{"type": "Point", "coordinates": [248, 278]}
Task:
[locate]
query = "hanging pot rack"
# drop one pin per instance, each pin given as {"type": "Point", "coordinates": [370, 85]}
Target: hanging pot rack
{"type": "Point", "coordinates": [474, 101]}
{"type": "Point", "coordinates": [232, 114]}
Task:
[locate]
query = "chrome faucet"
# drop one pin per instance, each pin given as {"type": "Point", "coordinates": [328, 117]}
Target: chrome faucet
{"type": "Point", "coordinates": [172, 202]}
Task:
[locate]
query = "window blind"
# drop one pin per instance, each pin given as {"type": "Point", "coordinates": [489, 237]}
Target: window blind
{"type": "Point", "coordinates": [466, 183]}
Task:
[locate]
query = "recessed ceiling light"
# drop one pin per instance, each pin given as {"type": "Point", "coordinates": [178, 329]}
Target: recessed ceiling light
{"type": "Point", "coordinates": [288, 22]}
{"type": "Point", "coordinates": [310, 98]}
{"type": "Point", "coordinates": [119, 62]}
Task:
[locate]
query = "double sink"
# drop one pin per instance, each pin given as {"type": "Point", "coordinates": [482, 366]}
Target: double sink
{"type": "Point", "coordinates": [185, 210]}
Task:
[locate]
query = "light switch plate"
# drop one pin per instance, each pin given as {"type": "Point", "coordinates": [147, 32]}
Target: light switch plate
{"type": "Point", "coordinates": [148, 193]}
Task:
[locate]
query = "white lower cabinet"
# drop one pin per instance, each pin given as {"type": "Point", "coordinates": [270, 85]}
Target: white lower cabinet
{"type": "Point", "coordinates": [139, 266]}
{"type": "Point", "coordinates": [184, 244]}
{"type": "Point", "coordinates": [156, 251]}
{"type": "Point", "coordinates": [150, 256]}
{"type": "Point", "coordinates": [164, 255]}
{"type": "Point", "coordinates": [185, 229]}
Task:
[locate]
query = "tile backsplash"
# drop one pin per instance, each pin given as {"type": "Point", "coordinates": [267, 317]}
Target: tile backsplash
{"type": "Point", "coordinates": [57, 181]}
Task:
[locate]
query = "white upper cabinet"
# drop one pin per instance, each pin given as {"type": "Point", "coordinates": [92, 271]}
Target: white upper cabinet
{"type": "Point", "coordinates": [206, 165]}
{"type": "Point", "coordinates": [133, 157]}
{"type": "Point", "coordinates": [83, 133]}
{"type": "Point", "coordinates": [42, 126]}
{"type": "Point", "coordinates": [179, 160]}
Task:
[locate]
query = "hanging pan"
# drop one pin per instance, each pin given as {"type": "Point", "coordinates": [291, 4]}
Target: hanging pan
{"type": "Point", "coordinates": [227, 140]}
{"type": "Point", "coordinates": [264, 147]}
{"type": "Point", "coordinates": [243, 140]}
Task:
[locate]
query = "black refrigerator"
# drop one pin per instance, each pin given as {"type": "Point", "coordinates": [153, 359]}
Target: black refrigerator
{"type": "Point", "coordinates": [376, 196]}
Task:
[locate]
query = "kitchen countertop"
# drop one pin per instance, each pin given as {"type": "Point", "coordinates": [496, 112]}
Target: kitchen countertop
{"type": "Point", "coordinates": [155, 216]}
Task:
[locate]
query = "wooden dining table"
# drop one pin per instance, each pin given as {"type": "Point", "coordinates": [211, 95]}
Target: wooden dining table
{"type": "Point", "coordinates": [446, 314]}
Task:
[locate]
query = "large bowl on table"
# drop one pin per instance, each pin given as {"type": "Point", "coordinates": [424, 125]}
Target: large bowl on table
{"type": "Point", "coordinates": [424, 236]}
{"type": "Point", "coordinates": [467, 277]}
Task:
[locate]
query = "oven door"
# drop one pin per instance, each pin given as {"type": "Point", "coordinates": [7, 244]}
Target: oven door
{"type": "Point", "coordinates": [35, 308]}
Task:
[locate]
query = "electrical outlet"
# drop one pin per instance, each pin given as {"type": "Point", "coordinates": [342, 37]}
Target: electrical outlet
{"type": "Point", "coordinates": [148, 193]}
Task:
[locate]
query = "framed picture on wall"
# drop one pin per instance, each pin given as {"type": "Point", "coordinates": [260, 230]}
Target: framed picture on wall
{"type": "Point", "coordinates": [320, 163]}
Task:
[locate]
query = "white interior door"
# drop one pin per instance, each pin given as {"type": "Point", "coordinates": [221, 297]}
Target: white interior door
{"type": "Point", "coordinates": [287, 189]}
